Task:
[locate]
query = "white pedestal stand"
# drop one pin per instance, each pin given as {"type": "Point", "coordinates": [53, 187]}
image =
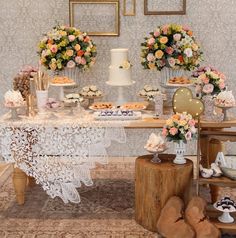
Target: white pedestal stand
{"type": "Point", "coordinates": [61, 89]}
{"type": "Point", "coordinates": [120, 98]}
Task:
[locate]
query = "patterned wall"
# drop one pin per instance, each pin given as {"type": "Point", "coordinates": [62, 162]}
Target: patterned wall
{"type": "Point", "coordinates": [24, 21]}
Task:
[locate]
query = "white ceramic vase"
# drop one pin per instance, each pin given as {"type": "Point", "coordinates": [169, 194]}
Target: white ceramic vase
{"type": "Point", "coordinates": [180, 149]}
{"type": "Point", "coordinates": [42, 97]}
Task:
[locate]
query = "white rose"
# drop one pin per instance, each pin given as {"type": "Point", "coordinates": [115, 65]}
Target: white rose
{"type": "Point", "coordinates": [188, 52]}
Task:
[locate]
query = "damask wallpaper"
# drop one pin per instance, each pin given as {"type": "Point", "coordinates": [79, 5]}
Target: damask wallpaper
{"type": "Point", "coordinates": [24, 21]}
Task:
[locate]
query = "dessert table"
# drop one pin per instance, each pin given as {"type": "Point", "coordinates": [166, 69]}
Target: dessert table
{"type": "Point", "coordinates": [59, 153]}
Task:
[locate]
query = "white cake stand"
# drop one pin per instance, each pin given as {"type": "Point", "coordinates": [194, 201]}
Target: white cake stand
{"type": "Point", "coordinates": [61, 90]}
{"type": "Point", "coordinates": [225, 217]}
{"type": "Point", "coordinates": [121, 98]}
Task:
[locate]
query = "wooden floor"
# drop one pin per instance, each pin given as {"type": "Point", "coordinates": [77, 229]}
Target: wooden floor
{"type": "Point", "coordinates": [5, 171]}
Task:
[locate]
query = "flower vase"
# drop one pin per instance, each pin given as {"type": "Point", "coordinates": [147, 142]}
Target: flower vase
{"type": "Point", "coordinates": [71, 73]}
{"type": "Point", "coordinates": [180, 149]}
{"type": "Point", "coordinates": [209, 107]}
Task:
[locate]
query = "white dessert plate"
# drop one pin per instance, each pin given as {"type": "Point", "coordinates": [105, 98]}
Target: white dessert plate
{"type": "Point", "coordinates": [62, 84]}
{"type": "Point", "coordinates": [179, 85]}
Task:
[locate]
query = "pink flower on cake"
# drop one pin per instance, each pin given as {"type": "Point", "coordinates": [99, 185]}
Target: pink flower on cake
{"type": "Point", "coordinates": [71, 38]}
{"type": "Point", "coordinates": [177, 37]}
{"type": "Point", "coordinates": [208, 88]}
{"type": "Point", "coordinates": [171, 61]}
{"type": "Point", "coordinates": [188, 135]}
{"type": "Point", "coordinates": [173, 131]}
{"type": "Point", "coordinates": [151, 41]}
{"type": "Point", "coordinates": [188, 52]}
{"type": "Point", "coordinates": [169, 50]}
{"type": "Point", "coordinates": [54, 48]}
{"type": "Point", "coordinates": [70, 64]}
{"type": "Point", "coordinates": [150, 57]}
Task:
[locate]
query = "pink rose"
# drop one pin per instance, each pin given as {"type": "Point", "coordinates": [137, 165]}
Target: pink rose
{"type": "Point", "coordinates": [208, 88]}
{"type": "Point", "coordinates": [173, 131]}
{"type": "Point", "coordinates": [169, 50]}
{"type": "Point", "coordinates": [205, 80]}
{"type": "Point", "coordinates": [164, 132]}
{"type": "Point", "coordinates": [186, 28]}
{"type": "Point", "coordinates": [53, 48]}
{"type": "Point", "coordinates": [177, 37]}
{"type": "Point", "coordinates": [191, 122]}
{"type": "Point", "coordinates": [156, 33]}
{"type": "Point", "coordinates": [83, 61]}
{"type": "Point", "coordinates": [150, 57]}
{"type": "Point", "coordinates": [222, 85]}
{"type": "Point", "coordinates": [165, 29]}
{"type": "Point", "coordinates": [78, 59]}
{"type": "Point", "coordinates": [151, 41]}
{"type": "Point", "coordinates": [171, 61]}
{"type": "Point", "coordinates": [71, 38]}
{"type": "Point", "coordinates": [188, 135]}
{"type": "Point", "coordinates": [70, 64]}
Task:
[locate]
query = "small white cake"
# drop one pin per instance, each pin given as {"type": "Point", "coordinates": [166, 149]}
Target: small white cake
{"type": "Point", "coordinates": [225, 99]}
{"type": "Point", "coordinates": [13, 99]}
{"type": "Point", "coordinates": [120, 68]}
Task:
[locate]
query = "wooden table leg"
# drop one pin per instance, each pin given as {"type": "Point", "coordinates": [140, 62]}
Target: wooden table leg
{"type": "Point", "coordinates": [19, 181]}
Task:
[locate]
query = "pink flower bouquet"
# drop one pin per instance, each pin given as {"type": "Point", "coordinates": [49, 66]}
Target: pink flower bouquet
{"type": "Point", "coordinates": [171, 46]}
{"type": "Point", "coordinates": [208, 81]}
{"type": "Point", "coordinates": [181, 126]}
{"type": "Point", "coordinates": [66, 47]}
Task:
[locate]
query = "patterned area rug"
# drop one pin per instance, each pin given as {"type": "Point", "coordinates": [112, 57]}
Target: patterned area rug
{"type": "Point", "coordinates": [106, 211]}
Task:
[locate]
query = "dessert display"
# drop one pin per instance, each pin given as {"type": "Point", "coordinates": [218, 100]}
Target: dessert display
{"type": "Point", "coordinates": [101, 105]}
{"type": "Point", "coordinates": [13, 99]}
{"type": "Point", "coordinates": [72, 98]}
{"type": "Point", "coordinates": [149, 92]}
{"type": "Point", "coordinates": [133, 106]}
{"type": "Point", "coordinates": [117, 114]}
{"type": "Point", "coordinates": [225, 205]}
{"type": "Point", "coordinates": [179, 80]}
{"type": "Point", "coordinates": [155, 144]}
{"type": "Point", "coordinates": [225, 99]}
{"type": "Point", "coordinates": [90, 92]}
{"type": "Point", "coordinates": [120, 68]}
{"type": "Point", "coordinates": [62, 80]}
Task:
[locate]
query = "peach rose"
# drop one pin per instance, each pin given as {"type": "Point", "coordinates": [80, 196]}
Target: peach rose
{"type": "Point", "coordinates": [159, 54]}
{"type": "Point", "coordinates": [77, 47]}
{"type": "Point", "coordinates": [69, 52]}
{"type": "Point", "coordinates": [163, 40]}
{"type": "Point", "coordinates": [151, 41]}
{"type": "Point", "coordinates": [53, 48]}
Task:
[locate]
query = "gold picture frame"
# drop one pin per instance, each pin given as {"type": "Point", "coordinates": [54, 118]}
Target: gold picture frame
{"type": "Point", "coordinates": [131, 13]}
{"type": "Point", "coordinates": [91, 22]}
{"type": "Point", "coordinates": [151, 12]}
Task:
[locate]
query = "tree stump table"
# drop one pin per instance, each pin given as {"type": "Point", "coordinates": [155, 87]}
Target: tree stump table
{"type": "Point", "coordinates": [156, 183]}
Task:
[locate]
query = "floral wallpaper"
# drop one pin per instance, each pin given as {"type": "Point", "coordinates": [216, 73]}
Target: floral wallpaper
{"type": "Point", "coordinates": [24, 21]}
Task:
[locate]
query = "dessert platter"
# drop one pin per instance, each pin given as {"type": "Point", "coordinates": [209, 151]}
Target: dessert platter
{"type": "Point", "coordinates": [225, 205]}
{"type": "Point", "coordinates": [225, 100]}
{"type": "Point", "coordinates": [179, 82]}
{"type": "Point", "coordinates": [101, 106]}
{"type": "Point", "coordinates": [135, 106]}
{"type": "Point", "coordinates": [117, 114]}
{"type": "Point", "coordinates": [62, 81]}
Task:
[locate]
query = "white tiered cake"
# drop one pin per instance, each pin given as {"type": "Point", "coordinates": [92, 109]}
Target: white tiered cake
{"type": "Point", "coordinates": [119, 70]}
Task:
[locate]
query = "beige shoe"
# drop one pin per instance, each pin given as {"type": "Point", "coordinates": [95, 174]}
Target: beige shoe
{"type": "Point", "coordinates": [195, 215]}
{"type": "Point", "coordinates": [171, 223]}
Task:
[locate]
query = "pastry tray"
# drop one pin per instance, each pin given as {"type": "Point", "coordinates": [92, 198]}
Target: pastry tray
{"type": "Point", "coordinates": [136, 116]}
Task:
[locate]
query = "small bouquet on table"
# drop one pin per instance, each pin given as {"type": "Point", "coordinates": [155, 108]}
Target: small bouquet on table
{"type": "Point", "coordinates": [180, 129]}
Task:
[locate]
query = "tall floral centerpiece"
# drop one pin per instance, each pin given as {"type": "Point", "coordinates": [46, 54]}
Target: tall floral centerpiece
{"type": "Point", "coordinates": [171, 46]}
{"type": "Point", "coordinates": [180, 129]}
{"type": "Point", "coordinates": [209, 82]}
{"type": "Point", "coordinates": [67, 48]}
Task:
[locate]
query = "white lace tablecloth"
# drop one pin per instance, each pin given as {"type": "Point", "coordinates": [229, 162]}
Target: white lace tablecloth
{"type": "Point", "coordinates": [59, 153]}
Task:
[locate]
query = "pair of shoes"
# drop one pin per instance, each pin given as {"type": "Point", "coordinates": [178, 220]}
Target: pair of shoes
{"type": "Point", "coordinates": [173, 224]}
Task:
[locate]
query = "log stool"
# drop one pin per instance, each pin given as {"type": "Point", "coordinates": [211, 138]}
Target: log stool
{"type": "Point", "coordinates": [156, 183]}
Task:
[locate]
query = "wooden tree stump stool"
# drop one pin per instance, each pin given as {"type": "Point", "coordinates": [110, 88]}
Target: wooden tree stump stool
{"type": "Point", "coordinates": [155, 184]}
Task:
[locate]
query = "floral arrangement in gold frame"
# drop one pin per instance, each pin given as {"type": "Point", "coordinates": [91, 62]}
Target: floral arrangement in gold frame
{"type": "Point", "coordinates": [98, 27]}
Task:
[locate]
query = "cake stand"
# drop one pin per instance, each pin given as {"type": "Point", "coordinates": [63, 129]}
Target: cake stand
{"type": "Point", "coordinates": [61, 90]}
{"type": "Point", "coordinates": [155, 159]}
{"type": "Point", "coordinates": [225, 217]}
{"type": "Point", "coordinates": [225, 111]}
